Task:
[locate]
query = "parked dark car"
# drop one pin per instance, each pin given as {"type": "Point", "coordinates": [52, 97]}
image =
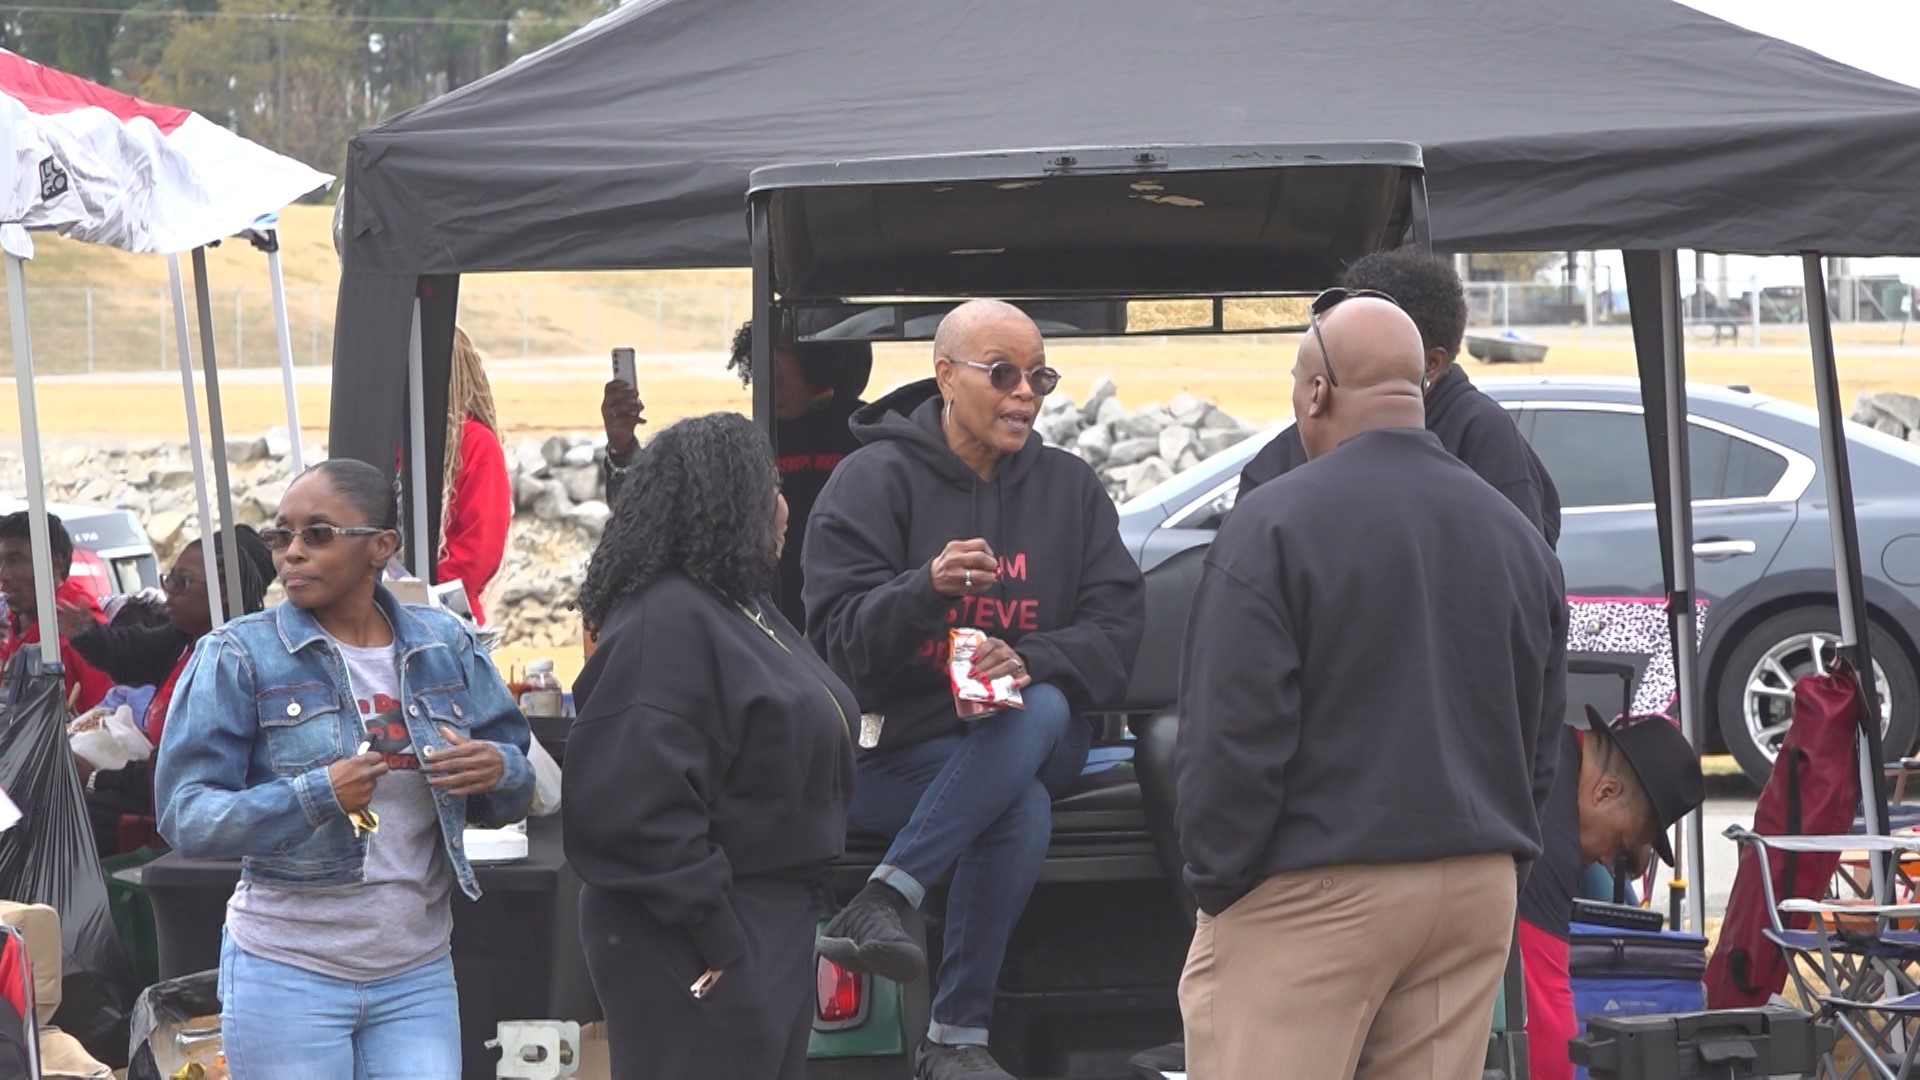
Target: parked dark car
{"type": "Point", "coordinates": [1761, 542]}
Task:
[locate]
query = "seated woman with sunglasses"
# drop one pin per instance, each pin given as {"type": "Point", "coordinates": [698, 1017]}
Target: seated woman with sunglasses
{"type": "Point", "coordinates": [338, 744]}
{"type": "Point", "coordinates": [121, 801]}
{"type": "Point", "coordinates": [953, 514]}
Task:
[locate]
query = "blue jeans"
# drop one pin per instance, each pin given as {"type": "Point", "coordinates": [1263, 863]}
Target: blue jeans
{"type": "Point", "coordinates": [280, 1022]}
{"type": "Point", "coordinates": [979, 805]}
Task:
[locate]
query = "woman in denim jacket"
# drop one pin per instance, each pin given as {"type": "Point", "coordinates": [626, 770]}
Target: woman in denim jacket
{"type": "Point", "coordinates": [338, 744]}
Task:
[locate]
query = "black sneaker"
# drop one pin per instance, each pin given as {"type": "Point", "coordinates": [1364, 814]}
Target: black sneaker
{"type": "Point", "coordinates": [1156, 1063]}
{"type": "Point", "coordinates": [941, 1062]}
{"type": "Point", "coordinates": [867, 936]}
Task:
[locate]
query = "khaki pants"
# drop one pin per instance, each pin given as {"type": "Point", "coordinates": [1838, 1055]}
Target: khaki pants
{"type": "Point", "coordinates": [1370, 971]}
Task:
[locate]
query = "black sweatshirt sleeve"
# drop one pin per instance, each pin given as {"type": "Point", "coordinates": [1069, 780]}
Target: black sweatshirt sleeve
{"type": "Point", "coordinates": [867, 610]}
{"type": "Point", "coordinates": [1240, 720]}
{"type": "Point", "coordinates": [132, 655]}
{"type": "Point", "coordinates": [1493, 447]}
{"type": "Point", "coordinates": [1553, 709]}
{"type": "Point", "coordinates": [1091, 659]}
{"type": "Point", "coordinates": [641, 778]}
{"type": "Point", "coordinates": [1282, 454]}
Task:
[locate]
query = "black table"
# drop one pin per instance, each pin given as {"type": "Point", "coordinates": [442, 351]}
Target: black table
{"type": "Point", "coordinates": [516, 951]}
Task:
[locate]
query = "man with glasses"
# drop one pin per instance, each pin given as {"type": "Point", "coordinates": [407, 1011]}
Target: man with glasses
{"type": "Point", "coordinates": [85, 684]}
{"type": "Point", "coordinates": [1472, 426]}
{"type": "Point", "coordinates": [1372, 687]}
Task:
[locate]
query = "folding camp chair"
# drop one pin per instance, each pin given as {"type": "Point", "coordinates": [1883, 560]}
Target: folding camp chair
{"type": "Point", "coordinates": [1853, 958]}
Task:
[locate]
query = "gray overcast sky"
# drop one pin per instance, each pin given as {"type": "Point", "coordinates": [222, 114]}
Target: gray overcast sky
{"type": "Point", "coordinates": [1881, 36]}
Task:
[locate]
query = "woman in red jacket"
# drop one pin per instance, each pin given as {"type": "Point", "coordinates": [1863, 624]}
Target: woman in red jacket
{"type": "Point", "coordinates": [478, 506]}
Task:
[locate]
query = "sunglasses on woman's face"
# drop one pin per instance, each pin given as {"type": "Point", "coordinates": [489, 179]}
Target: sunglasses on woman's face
{"type": "Point", "coordinates": [177, 582]}
{"type": "Point", "coordinates": [315, 535]}
{"type": "Point", "coordinates": [1005, 376]}
{"type": "Point", "coordinates": [1327, 301]}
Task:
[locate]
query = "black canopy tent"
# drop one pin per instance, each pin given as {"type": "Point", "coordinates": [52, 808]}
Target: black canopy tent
{"type": "Point", "coordinates": [1615, 124]}
{"type": "Point", "coordinates": [1633, 124]}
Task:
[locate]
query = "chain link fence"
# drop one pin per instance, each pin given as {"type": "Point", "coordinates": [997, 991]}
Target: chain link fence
{"type": "Point", "coordinates": [105, 328]}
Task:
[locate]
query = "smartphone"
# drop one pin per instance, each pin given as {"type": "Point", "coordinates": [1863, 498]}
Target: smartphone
{"type": "Point", "coordinates": [624, 369]}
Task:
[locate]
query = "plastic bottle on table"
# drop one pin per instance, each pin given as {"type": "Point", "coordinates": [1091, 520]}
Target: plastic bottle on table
{"type": "Point", "coordinates": [543, 696]}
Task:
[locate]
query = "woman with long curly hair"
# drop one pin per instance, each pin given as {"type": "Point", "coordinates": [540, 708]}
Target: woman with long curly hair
{"type": "Point", "coordinates": [477, 491]}
{"type": "Point", "coordinates": [713, 749]}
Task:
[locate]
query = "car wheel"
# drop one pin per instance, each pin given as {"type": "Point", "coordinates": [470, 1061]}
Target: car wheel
{"type": "Point", "coordinates": [1755, 696]}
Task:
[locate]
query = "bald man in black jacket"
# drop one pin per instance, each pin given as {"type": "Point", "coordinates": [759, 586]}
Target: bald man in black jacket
{"type": "Point", "coordinates": [1372, 687]}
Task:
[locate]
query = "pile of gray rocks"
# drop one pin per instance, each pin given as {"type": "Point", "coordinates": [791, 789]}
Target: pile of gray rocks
{"type": "Point", "coordinates": [559, 492]}
{"type": "Point", "coordinates": [1891, 412]}
{"type": "Point", "coordinates": [1132, 451]}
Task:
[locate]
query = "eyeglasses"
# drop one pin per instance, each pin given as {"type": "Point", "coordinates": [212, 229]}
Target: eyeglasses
{"type": "Point", "coordinates": [1327, 301]}
{"type": "Point", "coordinates": [177, 582]}
{"type": "Point", "coordinates": [1005, 376]}
{"type": "Point", "coordinates": [315, 535]}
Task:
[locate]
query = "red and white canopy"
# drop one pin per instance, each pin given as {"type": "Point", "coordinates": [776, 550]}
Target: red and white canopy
{"type": "Point", "coordinates": [105, 167]}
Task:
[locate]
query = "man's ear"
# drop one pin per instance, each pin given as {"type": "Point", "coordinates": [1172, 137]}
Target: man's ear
{"type": "Point", "coordinates": [1437, 361]}
{"type": "Point", "coordinates": [1607, 789]}
{"type": "Point", "coordinates": [1320, 398]}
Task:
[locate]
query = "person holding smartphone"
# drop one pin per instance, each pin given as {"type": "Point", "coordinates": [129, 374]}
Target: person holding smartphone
{"type": "Point", "coordinates": [816, 390]}
{"type": "Point", "coordinates": [338, 745]}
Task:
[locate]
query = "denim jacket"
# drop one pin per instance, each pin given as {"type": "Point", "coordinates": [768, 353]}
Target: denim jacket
{"type": "Point", "coordinates": [265, 705]}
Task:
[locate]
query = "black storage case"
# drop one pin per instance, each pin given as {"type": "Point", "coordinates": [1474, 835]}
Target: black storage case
{"type": "Point", "coordinates": [1734, 1044]}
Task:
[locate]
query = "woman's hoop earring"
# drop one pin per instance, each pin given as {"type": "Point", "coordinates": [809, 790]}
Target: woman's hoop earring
{"type": "Point", "coordinates": [946, 413]}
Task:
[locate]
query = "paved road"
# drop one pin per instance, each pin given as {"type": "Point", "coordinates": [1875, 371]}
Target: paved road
{"type": "Point", "coordinates": [1722, 859]}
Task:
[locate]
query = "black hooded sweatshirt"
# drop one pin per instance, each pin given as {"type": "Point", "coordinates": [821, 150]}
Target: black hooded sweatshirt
{"type": "Point", "coordinates": [1070, 599]}
{"type": "Point", "coordinates": [1474, 428]}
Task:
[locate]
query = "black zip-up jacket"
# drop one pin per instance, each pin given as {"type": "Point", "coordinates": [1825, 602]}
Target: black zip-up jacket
{"type": "Point", "coordinates": [1374, 671]}
{"type": "Point", "coordinates": [1474, 428]}
{"type": "Point", "coordinates": [1070, 599]}
{"type": "Point", "coordinates": [707, 749]}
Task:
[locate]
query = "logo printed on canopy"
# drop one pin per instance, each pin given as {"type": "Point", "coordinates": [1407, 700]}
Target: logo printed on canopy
{"type": "Point", "coordinates": [94, 164]}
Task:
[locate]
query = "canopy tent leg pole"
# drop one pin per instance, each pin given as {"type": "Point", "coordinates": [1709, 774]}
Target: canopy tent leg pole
{"type": "Point", "coordinates": [1848, 587]}
{"type": "Point", "coordinates": [296, 463]}
{"type": "Point", "coordinates": [417, 443]}
{"type": "Point", "coordinates": [37, 531]}
{"type": "Point", "coordinates": [216, 425]}
{"type": "Point", "coordinates": [1653, 297]}
{"type": "Point", "coordinates": [760, 240]}
{"type": "Point", "coordinates": [184, 347]}
{"type": "Point", "coordinates": [1684, 613]}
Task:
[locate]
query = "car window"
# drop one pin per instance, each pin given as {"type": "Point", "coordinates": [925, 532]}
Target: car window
{"type": "Point", "coordinates": [1752, 471]}
{"type": "Point", "coordinates": [1594, 458]}
{"type": "Point", "coordinates": [1600, 459]}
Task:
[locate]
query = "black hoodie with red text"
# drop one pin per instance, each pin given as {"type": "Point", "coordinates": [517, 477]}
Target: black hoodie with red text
{"type": "Point", "coordinates": [1069, 600]}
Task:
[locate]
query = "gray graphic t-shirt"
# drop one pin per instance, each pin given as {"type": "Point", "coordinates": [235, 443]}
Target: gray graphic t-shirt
{"type": "Point", "coordinates": [401, 916]}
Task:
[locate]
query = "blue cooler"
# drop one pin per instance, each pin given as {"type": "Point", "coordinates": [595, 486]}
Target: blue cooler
{"type": "Point", "coordinates": [1619, 972]}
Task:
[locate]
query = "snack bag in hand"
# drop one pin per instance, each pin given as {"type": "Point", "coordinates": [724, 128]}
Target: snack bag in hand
{"type": "Point", "coordinates": [974, 697]}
